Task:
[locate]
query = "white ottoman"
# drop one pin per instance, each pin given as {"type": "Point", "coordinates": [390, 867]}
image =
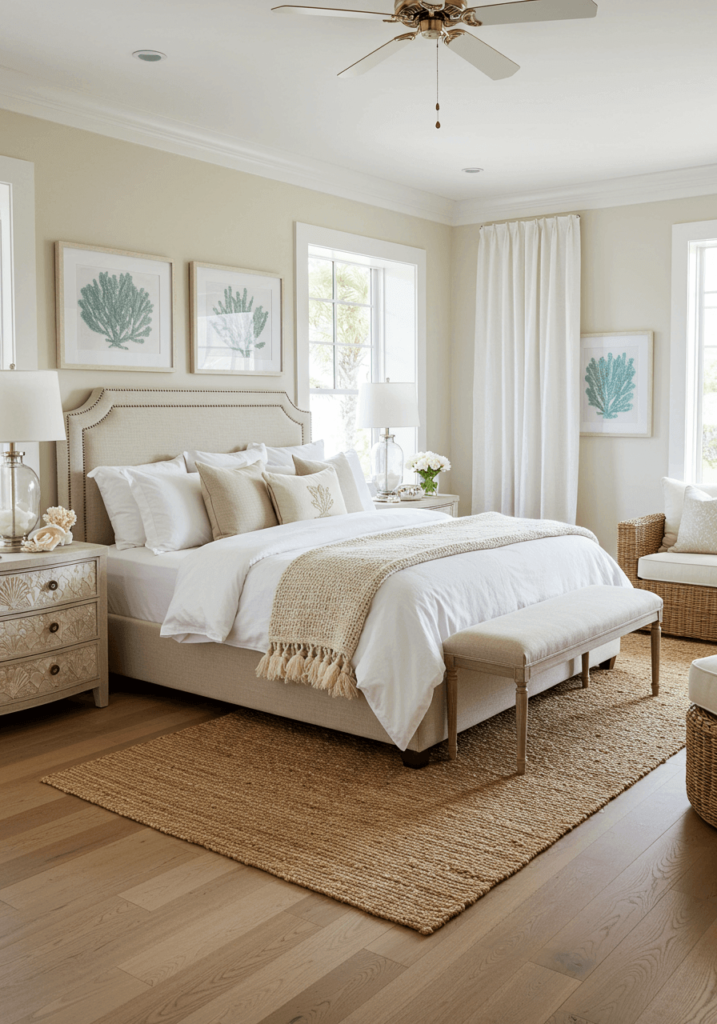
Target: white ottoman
{"type": "Point", "coordinates": [703, 683]}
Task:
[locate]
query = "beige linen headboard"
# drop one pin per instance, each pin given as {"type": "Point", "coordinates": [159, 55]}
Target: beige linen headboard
{"type": "Point", "coordinates": [128, 427]}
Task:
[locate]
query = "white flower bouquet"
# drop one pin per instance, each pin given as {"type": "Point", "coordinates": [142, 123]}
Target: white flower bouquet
{"type": "Point", "coordinates": [428, 465]}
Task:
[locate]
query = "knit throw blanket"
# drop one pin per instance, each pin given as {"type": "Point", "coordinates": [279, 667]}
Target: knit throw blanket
{"type": "Point", "coordinates": [324, 595]}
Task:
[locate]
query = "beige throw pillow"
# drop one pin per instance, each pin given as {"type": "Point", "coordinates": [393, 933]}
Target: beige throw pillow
{"type": "Point", "coordinates": [236, 500]}
{"type": "Point", "coordinates": [340, 463]}
{"type": "Point", "coordinates": [296, 498]}
{"type": "Point", "coordinates": [698, 525]}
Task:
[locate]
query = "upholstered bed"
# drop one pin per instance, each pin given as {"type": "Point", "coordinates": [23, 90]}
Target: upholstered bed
{"type": "Point", "coordinates": [125, 427]}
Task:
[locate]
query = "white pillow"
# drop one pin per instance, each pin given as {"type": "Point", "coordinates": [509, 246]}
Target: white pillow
{"type": "Point", "coordinates": [698, 526]}
{"type": "Point", "coordinates": [172, 510]}
{"type": "Point", "coordinates": [351, 479]}
{"type": "Point", "coordinates": [113, 482]}
{"type": "Point", "coordinates": [221, 460]}
{"type": "Point", "coordinates": [674, 495]}
{"type": "Point", "coordinates": [283, 457]}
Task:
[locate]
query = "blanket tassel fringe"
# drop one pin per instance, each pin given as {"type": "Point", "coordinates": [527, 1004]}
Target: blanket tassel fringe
{"type": "Point", "coordinates": [319, 667]}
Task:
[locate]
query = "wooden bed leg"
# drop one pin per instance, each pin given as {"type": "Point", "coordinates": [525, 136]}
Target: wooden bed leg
{"type": "Point", "coordinates": [609, 664]}
{"type": "Point", "coordinates": [521, 721]}
{"type": "Point", "coordinates": [416, 758]}
{"type": "Point", "coordinates": [586, 670]}
{"type": "Point", "coordinates": [655, 634]}
{"type": "Point", "coordinates": [452, 707]}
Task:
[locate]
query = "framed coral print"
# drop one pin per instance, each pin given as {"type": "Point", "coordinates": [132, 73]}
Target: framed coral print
{"type": "Point", "coordinates": [616, 384]}
{"type": "Point", "coordinates": [115, 309]}
{"type": "Point", "coordinates": [236, 320]}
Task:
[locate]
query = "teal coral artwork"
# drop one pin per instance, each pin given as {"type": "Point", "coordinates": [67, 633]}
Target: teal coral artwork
{"type": "Point", "coordinates": [611, 385]}
{"type": "Point", "coordinates": [240, 332]}
{"type": "Point", "coordinates": [116, 308]}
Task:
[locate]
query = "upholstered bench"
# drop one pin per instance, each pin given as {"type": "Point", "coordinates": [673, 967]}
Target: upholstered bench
{"type": "Point", "coordinates": [702, 738]}
{"type": "Point", "coordinates": [525, 643]}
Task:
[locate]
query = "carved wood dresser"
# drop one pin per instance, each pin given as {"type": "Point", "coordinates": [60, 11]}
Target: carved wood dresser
{"type": "Point", "coordinates": [53, 626]}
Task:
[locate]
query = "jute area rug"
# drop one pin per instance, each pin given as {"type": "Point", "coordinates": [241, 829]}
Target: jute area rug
{"type": "Point", "coordinates": [343, 817]}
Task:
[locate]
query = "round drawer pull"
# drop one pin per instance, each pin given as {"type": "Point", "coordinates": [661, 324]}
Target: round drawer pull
{"type": "Point", "coordinates": [52, 585]}
{"type": "Point", "coordinates": [54, 626]}
{"type": "Point", "coordinates": [54, 669]}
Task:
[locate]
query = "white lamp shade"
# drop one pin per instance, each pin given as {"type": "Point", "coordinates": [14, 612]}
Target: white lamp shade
{"type": "Point", "coordinates": [387, 405]}
{"type": "Point", "coordinates": [30, 406]}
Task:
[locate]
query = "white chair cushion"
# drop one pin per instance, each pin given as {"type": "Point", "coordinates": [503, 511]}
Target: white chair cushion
{"type": "Point", "coordinates": [670, 567]}
{"type": "Point", "coordinates": [703, 683]}
{"type": "Point", "coordinates": [541, 631]}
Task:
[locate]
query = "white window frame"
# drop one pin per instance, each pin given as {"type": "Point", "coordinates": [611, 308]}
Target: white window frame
{"type": "Point", "coordinates": [685, 369]}
{"type": "Point", "coordinates": [18, 294]}
{"type": "Point", "coordinates": [328, 238]}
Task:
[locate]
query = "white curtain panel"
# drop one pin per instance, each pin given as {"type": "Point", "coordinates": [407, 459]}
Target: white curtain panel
{"type": "Point", "coordinates": [526, 393]}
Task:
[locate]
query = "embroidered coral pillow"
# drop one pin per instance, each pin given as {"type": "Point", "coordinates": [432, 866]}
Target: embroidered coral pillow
{"type": "Point", "coordinates": [698, 525]}
{"type": "Point", "coordinates": [306, 497]}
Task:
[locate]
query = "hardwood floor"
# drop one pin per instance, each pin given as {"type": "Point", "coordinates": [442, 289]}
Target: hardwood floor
{"type": "Point", "coordinates": [104, 920]}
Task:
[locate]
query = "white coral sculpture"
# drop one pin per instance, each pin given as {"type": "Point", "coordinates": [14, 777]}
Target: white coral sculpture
{"type": "Point", "coordinates": [57, 531]}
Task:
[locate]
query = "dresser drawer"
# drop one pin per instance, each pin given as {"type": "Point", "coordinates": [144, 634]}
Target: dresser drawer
{"type": "Point", "coordinates": [33, 677]}
{"type": "Point", "coordinates": [38, 588]}
{"type": "Point", "coordinates": [61, 627]}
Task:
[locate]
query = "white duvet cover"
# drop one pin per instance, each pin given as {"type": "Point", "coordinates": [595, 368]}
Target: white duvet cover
{"type": "Point", "coordinates": [225, 591]}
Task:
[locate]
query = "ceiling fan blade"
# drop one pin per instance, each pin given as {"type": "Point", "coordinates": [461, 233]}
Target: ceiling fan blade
{"type": "Point", "coordinates": [331, 12]}
{"type": "Point", "coordinates": [480, 55]}
{"type": "Point", "coordinates": [377, 56]}
{"type": "Point", "coordinates": [534, 10]}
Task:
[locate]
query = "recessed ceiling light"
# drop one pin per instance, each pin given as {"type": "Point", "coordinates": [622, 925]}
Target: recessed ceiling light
{"type": "Point", "coordinates": [471, 170]}
{"type": "Point", "coordinates": [149, 55]}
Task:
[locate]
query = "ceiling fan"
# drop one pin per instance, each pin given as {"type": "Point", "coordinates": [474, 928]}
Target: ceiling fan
{"type": "Point", "coordinates": [442, 19]}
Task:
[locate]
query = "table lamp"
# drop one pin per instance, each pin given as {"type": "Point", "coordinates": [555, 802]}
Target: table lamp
{"type": "Point", "coordinates": [380, 404]}
{"type": "Point", "coordinates": [30, 410]}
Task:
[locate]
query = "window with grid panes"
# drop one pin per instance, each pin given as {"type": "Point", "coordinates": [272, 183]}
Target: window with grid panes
{"type": "Point", "coordinates": [703, 324]}
{"type": "Point", "coordinates": [356, 336]}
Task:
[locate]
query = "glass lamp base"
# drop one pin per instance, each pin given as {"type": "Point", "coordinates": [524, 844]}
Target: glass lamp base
{"type": "Point", "coordinates": [19, 501]}
{"type": "Point", "coordinates": [386, 466]}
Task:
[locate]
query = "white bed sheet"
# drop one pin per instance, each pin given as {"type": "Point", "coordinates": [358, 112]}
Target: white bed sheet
{"type": "Point", "coordinates": [140, 584]}
{"type": "Point", "coordinates": [225, 594]}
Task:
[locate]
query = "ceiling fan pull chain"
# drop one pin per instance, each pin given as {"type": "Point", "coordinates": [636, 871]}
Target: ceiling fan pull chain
{"type": "Point", "coordinates": [438, 105]}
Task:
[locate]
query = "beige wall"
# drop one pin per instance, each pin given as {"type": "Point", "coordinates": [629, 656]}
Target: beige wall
{"type": "Point", "coordinates": [102, 191]}
{"type": "Point", "coordinates": [626, 284]}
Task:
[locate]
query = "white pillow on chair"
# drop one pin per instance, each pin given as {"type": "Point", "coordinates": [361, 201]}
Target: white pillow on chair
{"type": "Point", "coordinates": [673, 492]}
{"type": "Point", "coordinates": [698, 526]}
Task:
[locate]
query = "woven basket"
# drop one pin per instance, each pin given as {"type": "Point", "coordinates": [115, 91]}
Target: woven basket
{"type": "Point", "coordinates": [702, 763]}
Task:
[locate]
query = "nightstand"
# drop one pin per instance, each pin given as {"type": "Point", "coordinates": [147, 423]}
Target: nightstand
{"type": "Point", "coordinates": [437, 502]}
{"type": "Point", "coordinates": [53, 626]}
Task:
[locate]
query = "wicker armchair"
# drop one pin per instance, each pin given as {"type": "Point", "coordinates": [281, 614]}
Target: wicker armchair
{"type": "Point", "coordinates": [689, 610]}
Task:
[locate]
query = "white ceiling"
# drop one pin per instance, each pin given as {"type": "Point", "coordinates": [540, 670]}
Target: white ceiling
{"type": "Point", "coordinates": [631, 92]}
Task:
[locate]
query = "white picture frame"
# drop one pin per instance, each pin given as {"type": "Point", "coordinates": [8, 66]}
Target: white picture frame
{"type": "Point", "coordinates": [115, 309]}
{"type": "Point", "coordinates": [616, 384]}
{"type": "Point", "coordinates": [230, 340]}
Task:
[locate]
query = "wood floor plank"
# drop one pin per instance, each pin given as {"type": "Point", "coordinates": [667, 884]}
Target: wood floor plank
{"type": "Point", "coordinates": [320, 910]}
{"type": "Point", "coordinates": [578, 948]}
{"type": "Point", "coordinates": [190, 991]}
{"type": "Point", "coordinates": [690, 995]}
{"type": "Point", "coordinates": [626, 982]}
{"type": "Point", "coordinates": [701, 880]}
{"type": "Point", "coordinates": [78, 844]}
{"type": "Point", "coordinates": [83, 1005]}
{"type": "Point", "coordinates": [45, 824]}
{"type": "Point", "coordinates": [26, 796]}
{"type": "Point", "coordinates": [266, 990]}
{"type": "Point", "coordinates": [563, 1017]}
{"type": "Point", "coordinates": [528, 998]}
{"type": "Point", "coordinates": [235, 918]}
{"type": "Point", "coordinates": [339, 992]}
{"type": "Point", "coordinates": [129, 861]}
{"type": "Point", "coordinates": [179, 881]}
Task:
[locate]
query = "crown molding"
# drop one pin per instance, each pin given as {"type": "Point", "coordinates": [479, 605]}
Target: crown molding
{"type": "Point", "coordinates": [25, 95]}
{"type": "Point", "coordinates": [594, 195]}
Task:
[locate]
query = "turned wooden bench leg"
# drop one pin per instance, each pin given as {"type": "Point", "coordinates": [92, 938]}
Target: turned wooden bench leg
{"type": "Point", "coordinates": [452, 707]}
{"type": "Point", "coordinates": [521, 721]}
{"type": "Point", "coordinates": [586, 670]}
{"type": "Point", "coordinates": [655, 633]}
